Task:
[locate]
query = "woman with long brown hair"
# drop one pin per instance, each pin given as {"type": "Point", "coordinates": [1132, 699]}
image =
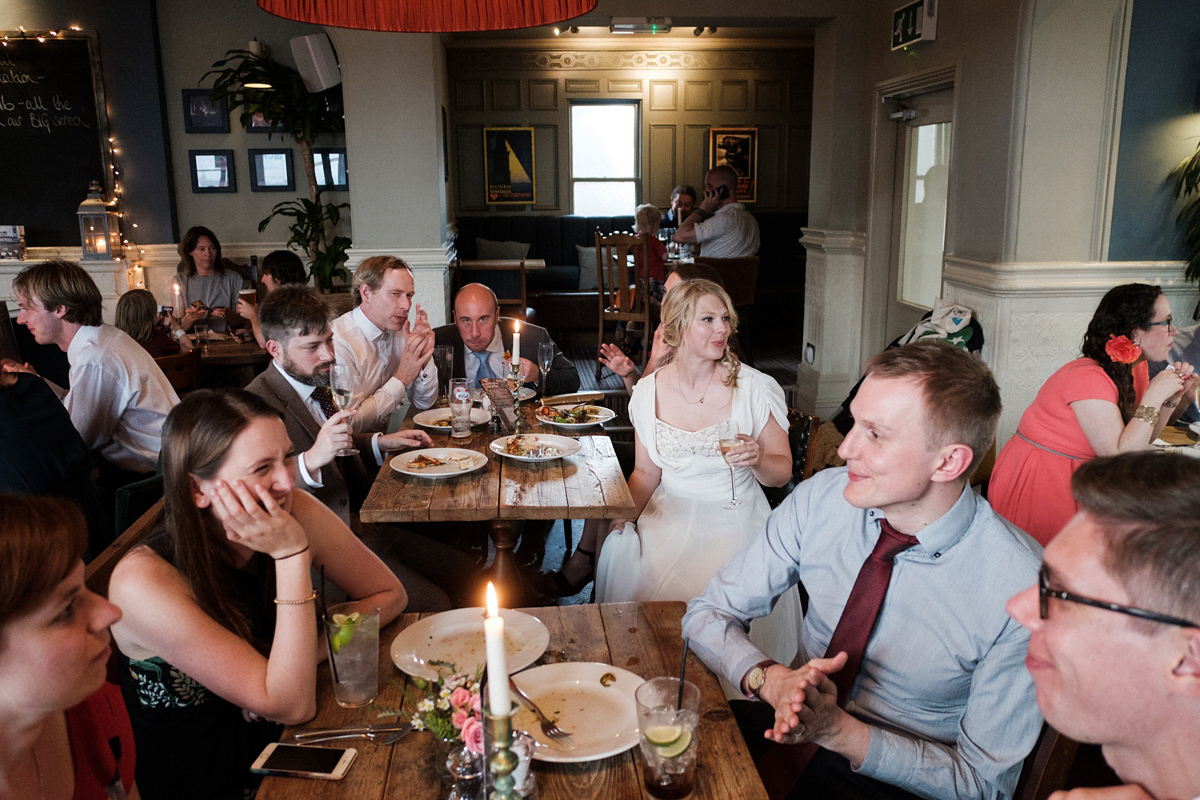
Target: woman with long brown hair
{"type": "Point", "coordinates": [221, 627]}
{"type": "Point", "coordinates": [209, 288]}
{"type": "Point", "coordinates": [1101, 404]}
{"type": "Point", "coordinates": [160, 334]}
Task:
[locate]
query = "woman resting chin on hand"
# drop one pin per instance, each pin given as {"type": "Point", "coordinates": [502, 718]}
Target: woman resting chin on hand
{"type": "Point", "coordinates": [224, 618]}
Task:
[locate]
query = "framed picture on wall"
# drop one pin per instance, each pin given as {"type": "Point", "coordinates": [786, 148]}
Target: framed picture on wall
{"type": "Point", "coordinates": [212, 171]}
{"type": "Point", "coordinates": [202, 114]}
{"type": "Point", "coordinates": [271, 170]}
{"type": "Point", "coordinates": [255, 123]}
{"type": "Point", "coordinates": [509, 166]}
{"type": "Point", "coordinates": [737, 148]}
{"type": "Point", "coordinates": [329, 163]}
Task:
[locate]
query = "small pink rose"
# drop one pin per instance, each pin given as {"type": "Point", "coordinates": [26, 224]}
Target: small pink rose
{"type": "Point", "coordinates": [458, 718]}
{"type": "Point", "coordinates": [460, 697]}
{"type": "Point", "coordinates": [476, 704]}
{"type": "Point", "coordinates": [472, 735]}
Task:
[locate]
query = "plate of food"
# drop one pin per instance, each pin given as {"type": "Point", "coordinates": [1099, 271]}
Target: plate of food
{"type": "Point", "coordinates": [456, 637]}
{"type": "Point", "coordinates": [594, 702]}
{"type": "Point", "coordinates": [438, 419]}
{"type": "Point", "coordinates": [535, 446]}
{"type": "Point", "coordinates": [438, 462]}
{"type": "Point", "coordinates": [583, 415]}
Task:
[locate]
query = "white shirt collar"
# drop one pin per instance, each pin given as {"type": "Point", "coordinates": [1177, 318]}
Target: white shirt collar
{"type": "Point", "coordinates": [365, 325]}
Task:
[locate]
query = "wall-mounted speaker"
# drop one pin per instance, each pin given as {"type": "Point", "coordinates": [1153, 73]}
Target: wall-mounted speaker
{"type": "Point", "coordinates": [316, 62]}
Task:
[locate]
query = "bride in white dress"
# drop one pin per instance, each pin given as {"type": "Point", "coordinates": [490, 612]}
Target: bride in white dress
{"type": "Point", "coordinates": [681, 485]}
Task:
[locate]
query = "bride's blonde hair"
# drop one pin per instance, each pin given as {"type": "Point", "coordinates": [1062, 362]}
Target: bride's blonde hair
{"type": "Point", "coordinates": [680, 309]}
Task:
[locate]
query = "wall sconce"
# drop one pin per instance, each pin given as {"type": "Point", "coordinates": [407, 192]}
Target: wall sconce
{"type": "Point", "coordinates": [99, 228]}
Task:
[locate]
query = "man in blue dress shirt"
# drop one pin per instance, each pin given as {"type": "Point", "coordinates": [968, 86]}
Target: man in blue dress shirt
{"type": "Point", "coordinates": [942, 705]}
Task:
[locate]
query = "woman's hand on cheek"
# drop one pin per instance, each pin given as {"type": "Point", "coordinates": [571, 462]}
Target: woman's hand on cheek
{"type": "Point", "coordinates": [252, 518]}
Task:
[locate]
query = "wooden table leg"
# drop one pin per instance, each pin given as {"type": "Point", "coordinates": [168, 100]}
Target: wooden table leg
{"type": "Point", "coordinates": [505, 572]}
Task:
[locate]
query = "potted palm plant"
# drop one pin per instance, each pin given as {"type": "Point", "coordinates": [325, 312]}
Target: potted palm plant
{"type": "Point", "coordinates": [1187, 186]}
{"type": "Point", "coordinates": [260, 85]}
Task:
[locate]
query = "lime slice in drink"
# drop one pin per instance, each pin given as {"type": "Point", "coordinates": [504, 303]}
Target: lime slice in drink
{"type": "Point", "coordinates": [678, 747]}
{"type": "Point", "coordinates": [663, 735]}
{"type": "Point", "coordinates": [345, 630]}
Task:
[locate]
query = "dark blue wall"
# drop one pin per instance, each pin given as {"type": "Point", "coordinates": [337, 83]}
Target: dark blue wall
{"type": "Point", "coordinates": [1160, 125]}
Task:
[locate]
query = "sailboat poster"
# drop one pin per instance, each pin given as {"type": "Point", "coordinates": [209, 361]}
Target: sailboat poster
{"type": "Point", "coordinates": [508, 154]}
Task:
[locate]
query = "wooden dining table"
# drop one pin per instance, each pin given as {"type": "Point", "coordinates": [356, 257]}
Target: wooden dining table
{"type": "Point", "coordinates": [228, 362]}
{"type": "Point", "coordinates": [643, 638]}
{"type": "Point", "coordinates": [586, 485]}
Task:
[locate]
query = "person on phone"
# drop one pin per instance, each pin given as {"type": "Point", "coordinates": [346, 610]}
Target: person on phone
{"type": "Point", "coordinates": [208, 287]}
{"type": "Point", "coordinates": [279, 268]}
{"type": "Point", "coordinates": [721, 225]}
{"type": "Point", "coordinates": [1114, 623]}
{"type": "Point", "coordinates": [219, 634]}
{"type": "Point", "coordinates": [64, 731]}
{"type": "Point", "coordinates": [159, 332]}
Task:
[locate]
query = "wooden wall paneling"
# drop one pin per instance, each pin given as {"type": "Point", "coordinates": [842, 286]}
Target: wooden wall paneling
{"type": "Point", "coordinates": [624, 85]}
{"type": "Point", "coordinates": [664, 96]}
{"type": "Point", "coordinates": [579, 86]}
{"type": "Point", "coordinates": [469, 158]}
{"type": "Point", "coordinates": [660, 172]}
{"type": "Point", "coordinates": [695, 156]}
{"type": "Point", "coordinates": [546, 149]}
{"type": "Point", "coordinates": [468, 95]}
{"type": "Point", "coordinates": [799, 146]}
{"type": "Point", "coordinates": [543, 95]}
{"type": "Point", "coordinates": [768, 96]}
{"type": "Point", "coordinates": [697, 96]}
{"type": "Point", "coordinates": [770, 167]}
{"type": "Point", "coordinates": [734, 95]}
{"type": "Point", "coordinates": [506, 95]}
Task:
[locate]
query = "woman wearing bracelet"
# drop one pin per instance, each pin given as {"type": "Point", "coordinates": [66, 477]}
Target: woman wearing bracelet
{"type": "Point", "coordinates": [1101, 404]}
{"type": "Point", "coordinates": [221, 632]}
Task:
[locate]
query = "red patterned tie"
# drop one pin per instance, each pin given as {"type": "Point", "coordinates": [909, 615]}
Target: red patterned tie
{"type": "Point", "coordinates": [324, 397]}
{"type": "Point", "coordinates": [781, 766]}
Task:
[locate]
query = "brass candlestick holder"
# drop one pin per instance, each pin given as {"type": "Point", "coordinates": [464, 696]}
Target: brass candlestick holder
{"type": "Point", "coordinates": [514, 386]}
{"type": "Point", "coordinates": [503, 760]}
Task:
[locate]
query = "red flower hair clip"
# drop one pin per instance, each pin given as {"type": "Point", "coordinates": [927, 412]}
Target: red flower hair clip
{"type": "Point", "coordinates": [1121, 350]}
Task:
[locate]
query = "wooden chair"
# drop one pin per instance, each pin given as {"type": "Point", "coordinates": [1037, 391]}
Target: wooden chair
{"type": "Point", "coordinates": [8, 336]}
{"type": "Point", "coordinates": [97, 573]}
{"type": "Point", "coordinates": [740, 276]}
{"type": "Point", "coordinates": [623, 295]}
{"type": "Point", "coordinates": [1047, 768]}
{"type": "Point", "coordinates": [802, 432]}
{"type": "Point", "coordinates": [505, 277]}
{"type": "Point", "coordinates": [182, 370]}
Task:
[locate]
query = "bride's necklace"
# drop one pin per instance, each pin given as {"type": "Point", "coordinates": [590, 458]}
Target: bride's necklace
{"type": "Point", "coordinates": [679, 384]}
{"type": "Point", "coordinates": [38, 771]}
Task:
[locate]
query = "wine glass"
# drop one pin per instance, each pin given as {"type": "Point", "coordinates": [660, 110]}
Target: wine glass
{"type": "Point", "coordinates": [727, 432]}
{"type": "Point", "coordinates": [341, 384]}
{"type": "Point", "coordinates": [545, 361]}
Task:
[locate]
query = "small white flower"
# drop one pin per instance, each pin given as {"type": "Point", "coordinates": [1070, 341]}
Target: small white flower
{"type": "Point", "coordinates": [443, 703]}
{"type": "Point", "coordinates": [425, 706]}
{"type": "Point", "coordinates": [418, 724]}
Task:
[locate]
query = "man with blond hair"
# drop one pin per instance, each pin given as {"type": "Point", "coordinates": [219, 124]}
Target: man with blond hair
{"type": "Point", "coordinates": [387, 342]}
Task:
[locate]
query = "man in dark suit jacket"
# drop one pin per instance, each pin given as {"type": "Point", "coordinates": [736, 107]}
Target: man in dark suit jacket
{"type": "Point", "coordinates": [295, 324]}
{"type": "Point", "coordinates": [481, 336]}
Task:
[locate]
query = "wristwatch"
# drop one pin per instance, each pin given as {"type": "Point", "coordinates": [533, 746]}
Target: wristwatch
{"type": "Point", "coordinates": [757, 676]}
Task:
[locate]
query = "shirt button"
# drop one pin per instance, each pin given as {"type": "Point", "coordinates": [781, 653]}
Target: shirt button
{"type": "Point", "coordinates": [937, 555]}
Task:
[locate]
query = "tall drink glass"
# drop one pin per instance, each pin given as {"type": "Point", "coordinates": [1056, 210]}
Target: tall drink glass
{"type": "Point", "coordinates": [460, 409]}
{"type": "Point", "coordinates": [727, 432]}
{"type": "Point", "coordinates": [352, 635]}
{"type": "Point", "coordinates": [443, 359]}
{"type": "Point", "coordinates": [341, 385]}
{"type": "Point", "coordinates": [545, 361]}
{"type": "Point", "coordinates": [668, 737]}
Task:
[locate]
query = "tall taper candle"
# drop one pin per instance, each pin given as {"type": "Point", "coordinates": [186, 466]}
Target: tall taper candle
{"type": "Point", "coordinates": [177, 298]}
{"type": "Point", "coordinates": [499, 700]}
{"type": "Point", "coordinates": [516, 362]}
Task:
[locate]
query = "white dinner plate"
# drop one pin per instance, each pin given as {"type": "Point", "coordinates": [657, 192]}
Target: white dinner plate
{"type": "Point", "coordinates": [429, 419]}
{"type": "Point", "coordinates": [1186, 450]}
{"type": "Point", "coordinates": [602, 415]}
{"type": "Point", "coordinates": [558, 446]}
{"type": "Point", "coordinates": [1194, 428]}
{"type": "Point", "coordinates": [457, 637]}
{"type": "Point", "coordinates": [469, 461]}
{"type": "Point", "coordinates": [602, 720]}
{"type": "Point", "coordinates": [525, 394]}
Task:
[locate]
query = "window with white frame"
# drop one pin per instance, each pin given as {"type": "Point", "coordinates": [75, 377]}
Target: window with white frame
{"type": "Point", "coordinates": [604, 158]}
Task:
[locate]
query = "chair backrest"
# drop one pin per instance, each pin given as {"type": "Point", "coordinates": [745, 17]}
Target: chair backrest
{"type": "Point", "coordinates": [739, 274]}
{"type": "Point", "coordinates": [8, 336]}
{"type": "Point", "coordinates": [182, 370]}
{"type": "Point", "coordinates": [802, 432]}
{"type": "Point", "coordinates": [1047, 767]}
{"type": "Point", "coordinates": [97, 573]}
{"type": "Point", "coordinates": [504, 277]}
{"type": "Point", "coordinates": [624, 294]}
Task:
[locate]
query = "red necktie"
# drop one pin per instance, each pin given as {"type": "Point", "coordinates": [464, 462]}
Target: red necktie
{"type": "Point", "coordinates": [781, 766]}
{"type": "Point", "coordinates": [324, 397]}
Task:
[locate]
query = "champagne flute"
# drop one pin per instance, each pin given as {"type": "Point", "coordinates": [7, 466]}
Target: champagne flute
{"type": "Point", "coordinates": [727, 432]}
{"type": "Point", "coordinates": [545, 361]}
{"type": "Point", "coordinates": [341, 385]}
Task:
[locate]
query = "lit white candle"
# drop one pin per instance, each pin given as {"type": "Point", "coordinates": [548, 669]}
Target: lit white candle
{"type": "Point", "coordinates": [516, 362]}
{"type": "Point", "coordinates": [497, 659]}
{"type": "Point", "coordinates": [177, 297]}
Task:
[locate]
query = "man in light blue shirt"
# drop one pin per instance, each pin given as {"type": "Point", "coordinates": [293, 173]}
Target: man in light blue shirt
{"type": "Point", "coordinates": [942, 705]}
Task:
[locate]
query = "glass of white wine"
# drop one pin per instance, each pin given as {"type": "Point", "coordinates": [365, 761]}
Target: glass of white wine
{"type": "Point", "coordinates": [727, 432]}
{"type": "Point", "coordinates": [545, 361]}
{"type": "Point", "coordinates": [341, 384]}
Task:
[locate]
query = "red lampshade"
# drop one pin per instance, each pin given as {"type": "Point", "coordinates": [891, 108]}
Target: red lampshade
{"type": "Point", "coordinates": [428, 16]}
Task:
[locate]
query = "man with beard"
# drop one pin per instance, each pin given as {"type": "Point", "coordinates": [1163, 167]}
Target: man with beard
{"type": "Point", "coordinates": [296, 325]}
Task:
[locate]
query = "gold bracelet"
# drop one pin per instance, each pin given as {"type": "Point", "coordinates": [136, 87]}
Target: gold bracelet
{"type": "Point", "coordinates": [308, 599]}
{"type": "Point", "coordinates": [1146, 414]}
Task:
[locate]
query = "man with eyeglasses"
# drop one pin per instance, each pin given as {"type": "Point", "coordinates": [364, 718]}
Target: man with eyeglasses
{"type": "Point", "coordinates": [1114, 623]}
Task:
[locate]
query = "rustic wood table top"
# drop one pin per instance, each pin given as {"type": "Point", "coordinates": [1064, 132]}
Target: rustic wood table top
{"type": "Point", "coordinates": [229, 352]}
{"type": "Point", "coordinates": [1178, 436]}
{"type": "Point", "coordinates": [643, 638]}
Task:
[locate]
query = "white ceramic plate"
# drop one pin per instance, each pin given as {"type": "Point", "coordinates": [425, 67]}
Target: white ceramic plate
{"type": "Point", "coordinates": [562, 446]}
{"type": "Point", "coordinates": [1194, 428]}
{"type": "Point", "coordinates": [525, 394]}
{"type": "Point", "coordinates": [429, 419]}
{"type": "Point", "coordinates": [457, 637]}
{"type": "Point", "coordinates": [602, 719]}
{"type": "Point", "coordinates": [470, 461]}
{"type": "Point", "coordinates": [602, 415]}
{"type": "Point", "coordinates": [1174, 448]}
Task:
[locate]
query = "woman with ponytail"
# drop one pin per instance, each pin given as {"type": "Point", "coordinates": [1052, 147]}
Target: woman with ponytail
{"type": "Point", "coordinates": [1097, 405]}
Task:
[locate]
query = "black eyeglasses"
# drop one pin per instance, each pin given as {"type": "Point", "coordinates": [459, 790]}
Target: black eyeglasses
{"type": "Point", "coordinates": [1045, 593]}
{"type": "Point", "coordinates": [1168, 322]}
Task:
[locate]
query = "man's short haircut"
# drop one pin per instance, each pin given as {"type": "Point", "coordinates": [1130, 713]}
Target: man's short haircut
{"type": "Point", "coordinates": [727, 175]}
{"type": "Point", "coordinates": [285, 268]}
{"type": "Point", "coordinates": [371, 272]}
{"type": "Point", "coordinates": [683, 188]}
{"type": "Point", "coordinates": [962, 400]}
{"type": "Point", "coordinates": [488, 289]}
{"type": "Point", "coordinates": [647, 217]}
{"type": "Point", "coordinates": [1148, 509]}
{"type": "Point", "coordinates": [62, 283]}
{"type": "Point", "coordinates": [292, 311]}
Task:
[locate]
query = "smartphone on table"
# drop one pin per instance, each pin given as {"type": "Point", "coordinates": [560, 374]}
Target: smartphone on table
{"type": "Point", "coordinates": [299, 761]}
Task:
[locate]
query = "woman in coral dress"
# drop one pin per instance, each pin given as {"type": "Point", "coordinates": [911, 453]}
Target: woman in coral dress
{"type": "Point", "coordinates": [1101, 404]}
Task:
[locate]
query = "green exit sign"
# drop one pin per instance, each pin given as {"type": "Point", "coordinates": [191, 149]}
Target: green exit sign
{"type": "Point", "coordinates": [915, 22]}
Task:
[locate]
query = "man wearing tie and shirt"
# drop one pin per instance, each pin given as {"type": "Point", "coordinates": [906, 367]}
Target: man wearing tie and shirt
{"type": "Point", "coordinates": [480, 338]}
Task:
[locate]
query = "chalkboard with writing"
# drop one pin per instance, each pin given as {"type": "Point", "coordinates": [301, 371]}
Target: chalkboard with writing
{"type": "Point", "coordinates": [52, 140]}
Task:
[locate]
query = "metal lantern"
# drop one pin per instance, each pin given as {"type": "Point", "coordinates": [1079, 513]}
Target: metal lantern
{"type": "Point", "coordinates": [99, 228]}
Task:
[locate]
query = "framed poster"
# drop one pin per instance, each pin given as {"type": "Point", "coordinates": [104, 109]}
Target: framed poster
{"type": "Point", "coordinates": [201, 114]}
{"type": "Point", "coordinates": [212, 171]}
{"type": "Point", "coordinates": [329, 163]}
{"type": "Point", "coordinates": [271, 170]}
{"type": "Point", "coordinates": [736, 148]}
{"type": "Point", "coordinates": [509, 166]}
{"type": "Point", "coordinates": [256, 123]}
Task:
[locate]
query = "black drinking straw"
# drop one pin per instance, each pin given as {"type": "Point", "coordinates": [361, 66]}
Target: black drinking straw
{"type": "Point", "coordinates": [325, 627]}
{"type": "Point", "coordinates": [682, 672]}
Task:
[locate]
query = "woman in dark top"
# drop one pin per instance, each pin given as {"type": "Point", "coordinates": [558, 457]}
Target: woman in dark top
{"type": "Point", "coordinates": [219, 626]}
{"type": "Point", "coordinates": [137, 315]}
